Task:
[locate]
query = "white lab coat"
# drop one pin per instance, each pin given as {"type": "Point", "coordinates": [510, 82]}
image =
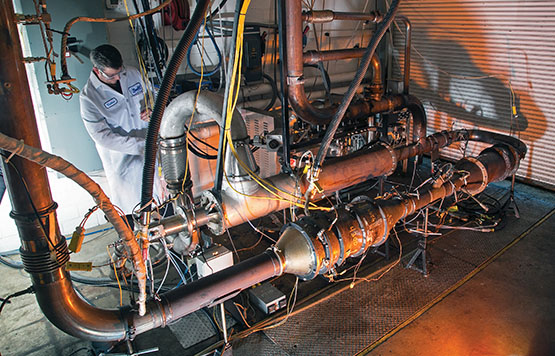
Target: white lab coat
{"type": "Point", "coordinates": [113, 121]}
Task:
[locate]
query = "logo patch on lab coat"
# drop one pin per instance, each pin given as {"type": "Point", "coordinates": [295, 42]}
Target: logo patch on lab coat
{"type": "Point", "coordinates": [108, 104]}
{"type": "Point", "coordinates": [135, 89]}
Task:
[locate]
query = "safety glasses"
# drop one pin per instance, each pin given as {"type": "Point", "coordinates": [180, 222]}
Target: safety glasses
{"type": "Point", "coordinates": [110, 77]}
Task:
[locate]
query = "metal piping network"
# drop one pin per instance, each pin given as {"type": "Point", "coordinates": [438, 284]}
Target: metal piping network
{"type": "Point", "coordinates": [232, 209]}
{"type": "Point", "coordinates": [316, 245]}
{"type": "Point", "coordinates": [308, 247]}
{"type": "Point", "coordinates": [303, 249]}
{"type": "Point", "coordinates": [296, 58]}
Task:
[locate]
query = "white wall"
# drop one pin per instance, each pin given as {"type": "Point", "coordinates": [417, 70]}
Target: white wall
{"type": "Point", "coordinates": [60, 126]}
{"type": "Point", "coordinates": [342, 34]}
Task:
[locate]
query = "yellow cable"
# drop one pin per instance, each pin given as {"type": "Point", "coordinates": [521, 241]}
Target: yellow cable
{"type": "Point", "coordinates": [117, 278]}
{"type": "Point", "coordinates": [232, 102]}
{"type": "Point", "coordinates": [142, 67]}
{"type": "Point", "coordinates": [277, 198]}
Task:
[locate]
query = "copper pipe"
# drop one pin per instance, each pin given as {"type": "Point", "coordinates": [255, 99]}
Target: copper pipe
{"type": "Point", "coordinates": [322, 16]}
{"type": "Point", "coordinates": [295, 79]}
{"type": "Point", "coordinates": [311, 247]}
{"type": "Point", "coordinates": [408, 47]}
{"type": "Point", "coordinates": [70, 23]}
{"type": "Point", "coordinates": [314, 57]}
{"type": "Point", "coordinates": [341, 173]}
{"type": "Point", "coordinates": [377, 87]}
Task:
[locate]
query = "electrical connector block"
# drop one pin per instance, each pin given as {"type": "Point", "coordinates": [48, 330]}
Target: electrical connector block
{"type": "Point", "coordinates": [77, 239]}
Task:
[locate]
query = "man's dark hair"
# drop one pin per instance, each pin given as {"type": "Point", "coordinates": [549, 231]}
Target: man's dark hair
{"type": "Point", "coordinates": [106, 56]}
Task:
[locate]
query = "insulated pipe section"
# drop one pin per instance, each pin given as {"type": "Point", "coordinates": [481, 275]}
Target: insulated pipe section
{"type": "Point", "coordinates": [323, 16]}
{"type": "Point", "coordinates": [235, 209]}
{"type": "Point", "coordinates": [320, 243]}
{"type": "Point", "coordinates": [188, 110]}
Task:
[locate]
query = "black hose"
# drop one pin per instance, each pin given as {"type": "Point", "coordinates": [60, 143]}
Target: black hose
{"type": "Point", "coordinates": [10, 263]}
{"type": "Point", "coordinates": [274, 91]}
{"type": "Point", "coordinates": [361, 71]}
{"type": "Point", "coordinates": [215, 12]}
{"type": "Point", "coordinates": [151, 146]}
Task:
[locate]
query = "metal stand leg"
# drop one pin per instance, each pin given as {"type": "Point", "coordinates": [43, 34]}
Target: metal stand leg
{"type": "Point", "coordinates": [227, 350]}
{"type": "Point", "coordinates": [512, 202]}
{"type": "Point", "coordinates": [385, 252]}
{"type": "Point", "coordinates": [421, 250]}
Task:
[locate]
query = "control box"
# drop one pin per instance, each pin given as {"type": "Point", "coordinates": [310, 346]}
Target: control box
{"type": "Point", "coordinates": [267, 298]}
{"type": "Point", "coordinates": [213, 259]}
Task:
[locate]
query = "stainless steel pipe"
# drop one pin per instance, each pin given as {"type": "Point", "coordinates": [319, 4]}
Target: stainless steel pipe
{"type": "Point", "coordinates": [323, 16]}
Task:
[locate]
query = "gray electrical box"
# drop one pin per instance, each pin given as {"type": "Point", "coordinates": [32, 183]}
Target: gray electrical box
{"type": "Point", "coordinates": [267, 298]}
{"type": "Point", "coordinates": [212, 260]}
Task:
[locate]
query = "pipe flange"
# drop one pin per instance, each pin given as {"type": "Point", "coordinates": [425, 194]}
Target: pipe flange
{"type": "Point", "coordinates": [364, 236]}
{"type": "Point", "coordinates": [324, 240]}
{"type": "Point", "coordinates": [212, 205]}
{"type": "Point", "coordinates": [506, 159]}
{"type": "Point", "coordinates": [484, 172]}
{"type": "Point", "coordinates": [393, 159]}
{"type": "Point", "coordinates": [385, 225]}
{"type": "Point", "coordinates": [517, 158]}
{"type": "Point", "coordinates": [352, 206]}
{"type": "Point", "coordinates": [343, 214]}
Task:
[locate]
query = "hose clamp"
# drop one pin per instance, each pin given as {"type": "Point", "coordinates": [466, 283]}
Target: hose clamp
{"type": "Point", "coordinates": [295, 80]}
{"type": "Point", "coordinates": [393, 158]}
{"type": "Point", "coordinates": [484, 172]}
{"type": "Point", "coordinates": [506, 159]}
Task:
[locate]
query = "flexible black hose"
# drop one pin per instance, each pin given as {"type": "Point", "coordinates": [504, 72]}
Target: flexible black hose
{"type": "Point", "coordinates": [361, 71]}
{"type": "Point", "coordinates": [215, 12]}
{"type": "Point", "coordinates": [11, 264]}
{"type": "Point", "coordinates": [274, 91]}
{"type": "Point", "coordinates": [151, 146]}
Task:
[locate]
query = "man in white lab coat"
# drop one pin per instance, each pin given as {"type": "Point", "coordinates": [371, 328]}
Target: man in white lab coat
{"type": "Point", "coordinates": [116, 117]}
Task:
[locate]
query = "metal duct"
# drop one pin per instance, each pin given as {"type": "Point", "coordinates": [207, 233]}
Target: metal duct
{"type": "Point", "coordinates": [296, 58]}
{"type": "Point", "coordinates": [234, 209]}
{"type": "Point", "coordinates": [316, 245]}
{"type": "Point", "coordinates": [202, 112]}
{"type": "Point", "coordinates": [301, 249]}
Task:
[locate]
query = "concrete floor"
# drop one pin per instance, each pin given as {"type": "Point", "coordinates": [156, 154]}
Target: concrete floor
{"type": "Point", "coordinates": [506, 309]}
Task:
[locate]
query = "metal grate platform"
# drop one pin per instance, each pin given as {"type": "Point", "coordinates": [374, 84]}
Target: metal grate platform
{"type": "Point", "coordinates": [348, 322]}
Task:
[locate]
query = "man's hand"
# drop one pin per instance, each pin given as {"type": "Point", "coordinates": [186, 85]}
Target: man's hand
{"type": "Point", "coordinates": [145, 115]}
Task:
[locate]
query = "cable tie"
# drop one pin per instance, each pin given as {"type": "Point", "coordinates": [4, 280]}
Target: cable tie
{"type": "Point", "coordinates": [17, 151]}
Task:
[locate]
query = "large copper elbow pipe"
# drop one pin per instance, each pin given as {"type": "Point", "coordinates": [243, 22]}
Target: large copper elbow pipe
{"type": "Point", "coordinates": [296, 59]}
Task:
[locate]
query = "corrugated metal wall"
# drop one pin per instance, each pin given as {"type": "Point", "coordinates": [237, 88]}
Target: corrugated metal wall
{"type": "Point", "coordinates": [468, 54]}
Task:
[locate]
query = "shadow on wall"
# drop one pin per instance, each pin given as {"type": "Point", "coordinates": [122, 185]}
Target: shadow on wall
{"type": "Point", "coordinates": [484, 102]}
{"type": "Point", "coordinates": [443, 79]}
